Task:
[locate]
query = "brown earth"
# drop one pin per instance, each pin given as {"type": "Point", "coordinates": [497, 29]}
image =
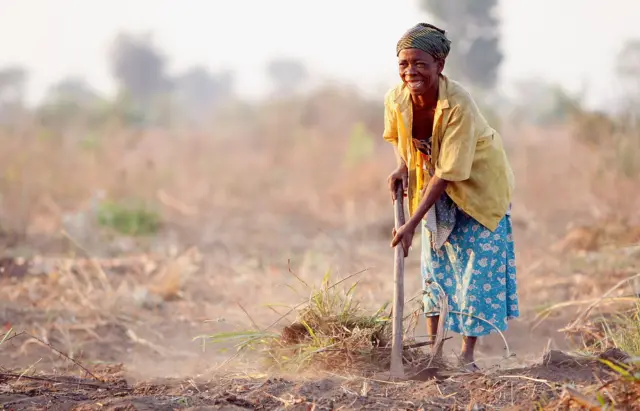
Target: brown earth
{"type": "Point", "coordinates": [508, 389]}
{"type": "Point", "coordinates": [131, 310]}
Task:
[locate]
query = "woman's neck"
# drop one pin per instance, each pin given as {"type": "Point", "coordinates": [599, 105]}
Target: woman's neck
{"type": "Point", "coordinates": [427, 100]}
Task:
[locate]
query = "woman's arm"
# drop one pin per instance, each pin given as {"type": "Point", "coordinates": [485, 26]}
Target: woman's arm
{"type": "Point", "coordinates": [434, 190]}
{"type": "Point", "coordinates": [454, 161]}
{"type": "Point", "coordinates": [453, 164]}
{"type": "Point", "coordinates": [401, 173]}
{"type": "Point", "coordinates": [399, 159]}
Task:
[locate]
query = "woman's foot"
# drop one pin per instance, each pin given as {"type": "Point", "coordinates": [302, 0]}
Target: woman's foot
{"type": "Point", "coordinates": [467, 360]}
{"type": "Point", "coordinates": [469, 365]}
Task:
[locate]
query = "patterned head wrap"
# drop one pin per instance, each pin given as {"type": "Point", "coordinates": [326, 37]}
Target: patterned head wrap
{"type": "Point", "coordinates": [427, 38]}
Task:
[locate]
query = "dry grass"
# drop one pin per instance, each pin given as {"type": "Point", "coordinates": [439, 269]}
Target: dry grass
{"type": "Point", "coordinates": [258, 190]}
{"type": "Point", "coordinates": [612, 336]}
{"type": "Point", "coordinates": [90, 307]}
{"type": "Point", "coordinates": [332, 332]}
{"type": "Point", "coordinates": [619, 329]}
{"type": "Point", "coordinates": [618, 344]}
{"type": "Point", "coordinates": [623, 331]}
{"type": "Point", "coordinates": [619, 391]}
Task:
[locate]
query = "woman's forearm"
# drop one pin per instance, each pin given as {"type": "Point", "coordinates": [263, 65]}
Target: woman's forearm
{"type": "Point", "coordinates": [434, 190]}
{"type": "Point", "coordinates": [399, 159]}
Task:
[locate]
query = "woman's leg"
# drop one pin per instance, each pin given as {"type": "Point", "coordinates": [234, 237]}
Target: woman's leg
{"type": "Point", "coordinates": [432, 327]}
{"type": "Point", "coordinates": [426, 269]}
{"type": "Point", "coordinates": [468, 350]}
{"type": "Point", "coordinates": [476, 270]}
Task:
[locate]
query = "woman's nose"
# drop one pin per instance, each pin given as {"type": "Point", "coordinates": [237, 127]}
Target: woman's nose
{"type": "Point", "coordinates": [410, 70]}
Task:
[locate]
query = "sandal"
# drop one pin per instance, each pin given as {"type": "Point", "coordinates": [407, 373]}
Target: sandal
{"type": "Point", "coordinates": [470, 367]}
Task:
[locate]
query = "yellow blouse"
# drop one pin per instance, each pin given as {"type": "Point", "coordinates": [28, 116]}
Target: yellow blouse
{"type": "Point", "coordinates": [467, 152]}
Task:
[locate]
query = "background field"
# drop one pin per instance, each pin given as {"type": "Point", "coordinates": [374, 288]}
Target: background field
{"type": "Point", "coordinates": [132, 224]}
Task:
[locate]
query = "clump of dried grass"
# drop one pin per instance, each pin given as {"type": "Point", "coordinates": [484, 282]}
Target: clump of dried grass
{"type": "Point", "coordinates": [620, 391]}
{"type": "Point", "coordinates": [331, 331]}
{"type": "Point", "coordinates": [614, 338]}
{"type": "Point", "coordinates": [619, 330]}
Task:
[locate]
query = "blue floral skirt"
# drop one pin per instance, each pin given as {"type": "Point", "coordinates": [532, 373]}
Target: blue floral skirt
{"type": "Point", "coordinates": [476, 269]}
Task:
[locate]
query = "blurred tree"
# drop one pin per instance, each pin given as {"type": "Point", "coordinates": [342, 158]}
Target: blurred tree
{"type": "Point", "coordinates": [628, 63]}
{"type": "Point", "coordinates": [69, 102]}
{"type": "Point", "coordinates": [287, 75]}
{"type": "Point", "coordinates": [13, 82]}
{"type": "Point", "coordinates": [473, 28]}
{"type": "Point", "coordinates": [139, 69]}
{"type": "Point", "coordinates": [628, 67]}
{"type": "Point", "coordinates": [628, 142]}
{"type": "Point", "coordinates": [543, 103]}
{"type": "Point", "coordinates": [198, 91]}
{"type": "Point", "coordinates": [72, 91]}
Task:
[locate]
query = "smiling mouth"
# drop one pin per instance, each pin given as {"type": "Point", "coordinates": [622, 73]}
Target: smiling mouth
{"type": "Point", "coordinates": [414, 85]}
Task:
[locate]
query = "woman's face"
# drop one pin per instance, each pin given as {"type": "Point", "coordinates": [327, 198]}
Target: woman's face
{"type": "Point", "coordinates": [419, 71]}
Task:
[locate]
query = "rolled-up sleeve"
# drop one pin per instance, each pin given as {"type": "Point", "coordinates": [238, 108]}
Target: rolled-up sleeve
{"type": "Point", "coordinates": [390, 122]}
{"type": "Point", "coordinates": [458, 146]}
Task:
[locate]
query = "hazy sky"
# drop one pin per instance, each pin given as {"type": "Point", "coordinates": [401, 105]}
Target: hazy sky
{"type": "Point", "coordinates": [573, 42]}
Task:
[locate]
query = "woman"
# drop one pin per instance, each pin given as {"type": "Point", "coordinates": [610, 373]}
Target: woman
{"type": "Point", "coordinates": [458, 181]}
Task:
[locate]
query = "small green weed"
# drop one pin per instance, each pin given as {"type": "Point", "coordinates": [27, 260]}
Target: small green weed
{"type": "Point", "coordinates": [128, 219]}
{"type": "Point", "coordinates": [361, 145]}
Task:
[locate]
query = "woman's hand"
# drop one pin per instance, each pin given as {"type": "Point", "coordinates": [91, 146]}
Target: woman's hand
{"type": "Point", "coordinates": [399, 174]}
{"type": "Point", "coordinates": [404, 234]}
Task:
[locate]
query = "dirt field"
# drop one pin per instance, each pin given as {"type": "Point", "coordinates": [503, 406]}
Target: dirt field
{"type": "Point", "coordinates": [106, 321]}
